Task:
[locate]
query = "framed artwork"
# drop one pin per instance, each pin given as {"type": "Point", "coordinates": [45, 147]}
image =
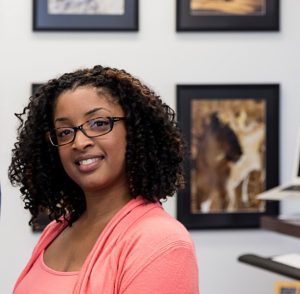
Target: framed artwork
{"type": "Point", "coordinates": [232, 137]}
{"type": "Point", "coordinates": [91, 15]}
{"type": "Point", "coordinates": [287, 287]}
{"type": "Point", "coordinates": [227, 15]}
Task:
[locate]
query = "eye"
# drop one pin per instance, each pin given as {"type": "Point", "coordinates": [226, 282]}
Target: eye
{"type": "Point", "coordinates": [64, 132]}
{"type": "Point", "coordinates": [99, 123]}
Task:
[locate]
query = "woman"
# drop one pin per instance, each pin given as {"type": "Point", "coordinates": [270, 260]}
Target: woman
{"type": "Point", "coordinates": [99, 151]}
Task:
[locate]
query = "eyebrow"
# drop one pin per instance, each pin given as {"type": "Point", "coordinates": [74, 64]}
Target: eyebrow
{"type": "Point", "coordinates": [92, 111]}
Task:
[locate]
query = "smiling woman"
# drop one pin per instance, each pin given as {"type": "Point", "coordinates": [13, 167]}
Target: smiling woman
{"type": "Point", "coordinates": [99, 150]}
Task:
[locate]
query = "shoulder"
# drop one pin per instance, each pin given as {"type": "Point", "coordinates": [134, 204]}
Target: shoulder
{"type": "Point", "coordinates": [158, 228]}
{"type": "Point", "coordinates": [49, 234]}
{"type": "Point", "coordinates": [156, 244]}
{"type": "Point", "coordinates": [53, 227]}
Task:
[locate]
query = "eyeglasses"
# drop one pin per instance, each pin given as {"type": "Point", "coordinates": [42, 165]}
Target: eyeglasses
{"type": "Point", "coordinates": [92, 128]}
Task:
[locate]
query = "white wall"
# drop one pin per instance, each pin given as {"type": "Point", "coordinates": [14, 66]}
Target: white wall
{"type": "Point", "coordinates": [162, 58]}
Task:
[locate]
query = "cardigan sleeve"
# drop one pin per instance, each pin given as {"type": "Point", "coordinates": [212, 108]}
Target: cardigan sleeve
{"type": "Point", "coordinates": [172, 272]}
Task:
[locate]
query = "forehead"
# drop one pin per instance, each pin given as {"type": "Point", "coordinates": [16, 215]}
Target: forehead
{"type": "Point", "coordinates": [80, 101]}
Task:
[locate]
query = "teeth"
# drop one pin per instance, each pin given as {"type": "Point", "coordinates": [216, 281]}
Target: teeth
{"type": "Point", "coordinates": [88, 161]}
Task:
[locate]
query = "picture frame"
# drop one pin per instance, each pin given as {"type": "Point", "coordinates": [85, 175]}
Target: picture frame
{"type": "Point", "coordinates": [96, 15]}
{"type": "Point", "coordinates": [287, 287]}
{"type": "Point", "coordinates": [232, 136]}
{"type": "Point", "coordinates": [227, 15]}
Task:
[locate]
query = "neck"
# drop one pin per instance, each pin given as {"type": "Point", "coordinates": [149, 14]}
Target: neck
{"type": "Point", "coordinates": [102, 206]}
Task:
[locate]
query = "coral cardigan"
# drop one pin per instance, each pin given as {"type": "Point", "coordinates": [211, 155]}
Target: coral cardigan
{"type": "Point", "coordinates": [141, 250]}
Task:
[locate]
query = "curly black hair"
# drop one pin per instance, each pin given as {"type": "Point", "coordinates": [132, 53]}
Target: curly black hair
{"type": "Point", "coordinates": [154, 153]}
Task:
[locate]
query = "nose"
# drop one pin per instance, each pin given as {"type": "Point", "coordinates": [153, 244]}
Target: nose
{"type": "Point", "coordinates": [81, 141]}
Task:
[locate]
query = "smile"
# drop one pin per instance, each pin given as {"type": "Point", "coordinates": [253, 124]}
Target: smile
{"type": "Point", "coordinates": [89, 161]}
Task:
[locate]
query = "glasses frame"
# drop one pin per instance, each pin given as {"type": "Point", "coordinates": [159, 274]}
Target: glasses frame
{"type": "Point", "coordinates": [112, 120]}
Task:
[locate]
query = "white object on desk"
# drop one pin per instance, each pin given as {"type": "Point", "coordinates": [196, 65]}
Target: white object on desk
{"type": "Point", "coordinates": [291, 259]}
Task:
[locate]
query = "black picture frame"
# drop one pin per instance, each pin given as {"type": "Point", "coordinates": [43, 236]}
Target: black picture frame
{"type": "Point", "coordinates": [264, 18]}
{"type": "Point", "coordinates": [237, 107]}
{"type": "Point", "coordinates": [45, 21]}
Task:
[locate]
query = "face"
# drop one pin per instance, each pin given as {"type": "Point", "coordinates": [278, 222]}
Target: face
{"type": "Point", "coordinates": [97, 163]}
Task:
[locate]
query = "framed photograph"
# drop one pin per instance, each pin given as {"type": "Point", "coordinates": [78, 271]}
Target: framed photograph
{"type": "Point", "coordinates": [287, 287]}
{"type": "Point", "coordinates": [91, 15]}
{"type": "Point", "coordinates": [227, 15]}
{"type": "Point", "coordinates": [233, 146]}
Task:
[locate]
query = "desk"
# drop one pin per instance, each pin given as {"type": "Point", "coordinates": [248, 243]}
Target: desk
{"type": "Point", "coordinates": [288, 227]}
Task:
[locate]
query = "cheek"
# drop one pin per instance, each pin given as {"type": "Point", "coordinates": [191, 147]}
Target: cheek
{"type": "Point", "coordinates": [118, 141]}
{"type": "Point", "coordinates": [118, 150]}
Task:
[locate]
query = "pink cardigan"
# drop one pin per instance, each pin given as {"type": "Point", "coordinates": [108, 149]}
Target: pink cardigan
{"type": "Point", "coordinates": [141, 250]}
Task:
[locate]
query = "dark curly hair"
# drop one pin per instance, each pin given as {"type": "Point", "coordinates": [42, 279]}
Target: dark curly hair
{"type": "Point", "coordinates": [154, 152]}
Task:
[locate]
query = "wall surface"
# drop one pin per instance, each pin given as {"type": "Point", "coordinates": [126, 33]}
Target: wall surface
{"type": "Point", "coordinates": [162, 58]}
